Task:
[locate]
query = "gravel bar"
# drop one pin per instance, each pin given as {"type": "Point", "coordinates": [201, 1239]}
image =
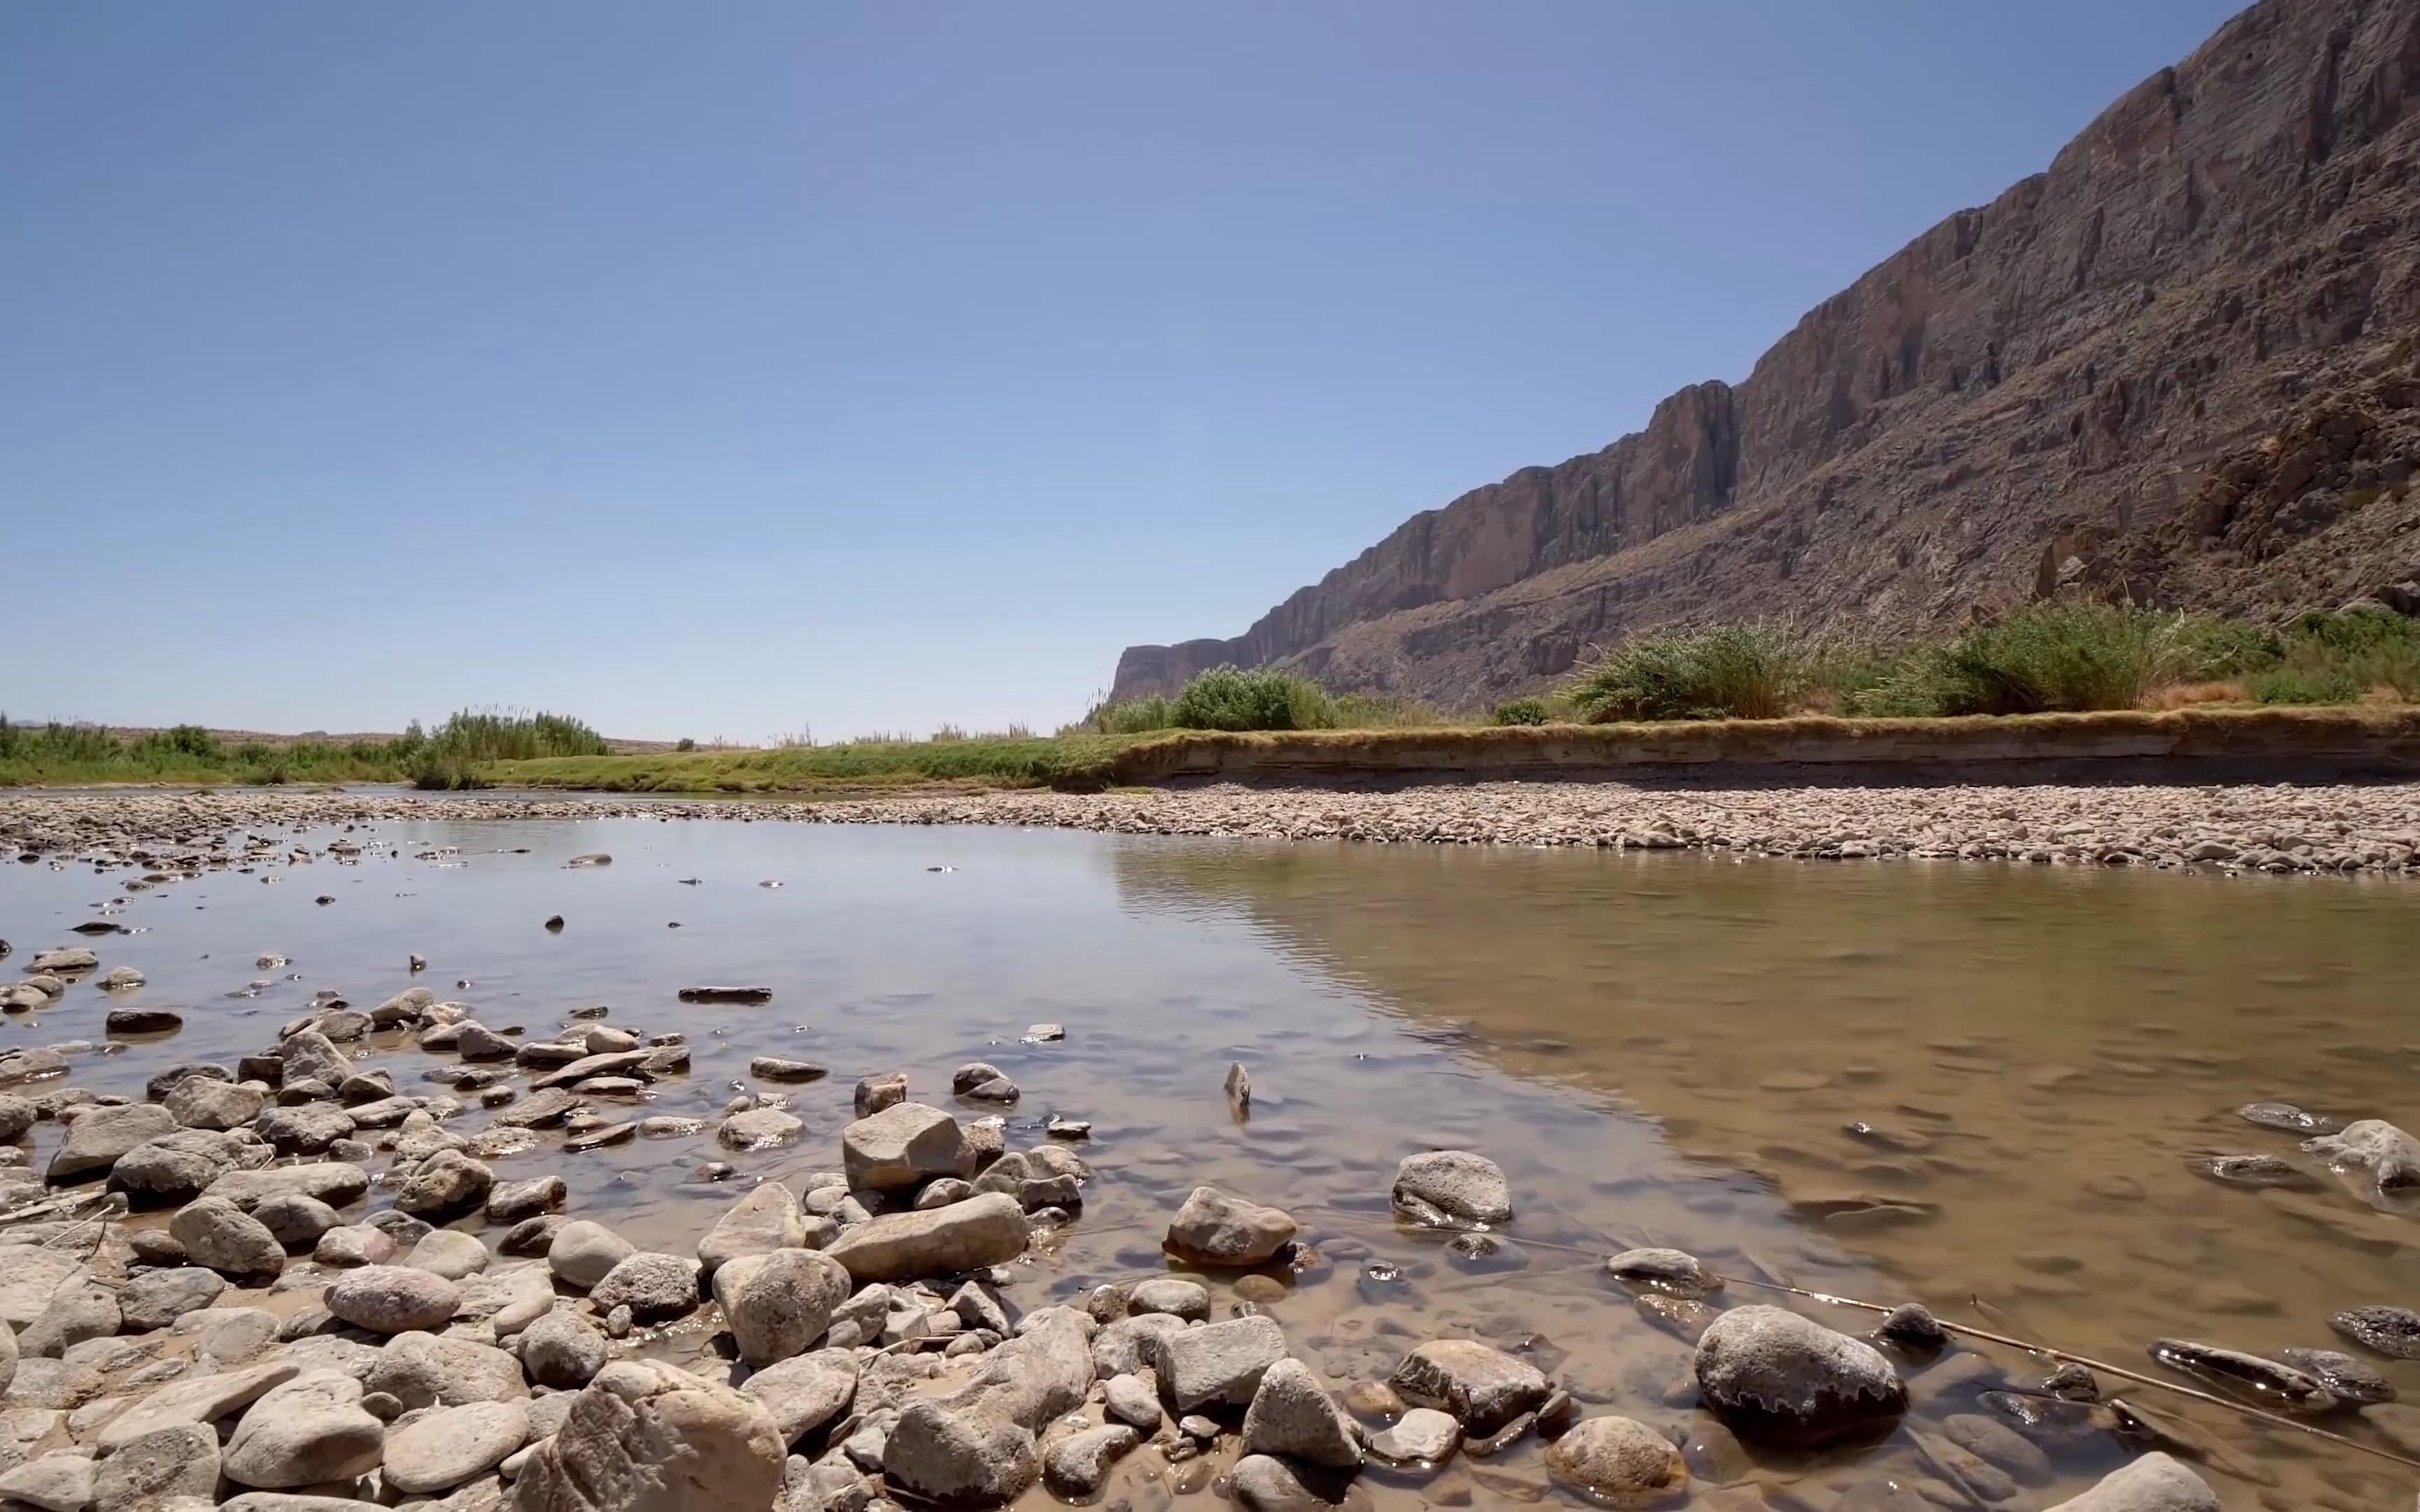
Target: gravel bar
{"type": "Point", "coordinates": [2270, 828]}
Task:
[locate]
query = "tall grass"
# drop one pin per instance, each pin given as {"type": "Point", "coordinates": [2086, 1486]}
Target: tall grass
{"type": "Point", "coordinates": [1725, 671]}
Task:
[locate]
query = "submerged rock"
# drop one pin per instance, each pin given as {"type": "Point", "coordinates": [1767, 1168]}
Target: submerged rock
{"type": "Point", "coordinates": [2279, 1387]}
{"type": "Point", "coordinates": [2155, 1483]}
{"type": "Point", "coordinates": [1213, 1229]}
{"type": "Point", "coordinates": [2394, 1331]}
{"type": "Point", "coordinates": [1464, 1187]}
{"type": "Point", "coordinates": [2287, 1119]}
{"type": "Point", "coordinates": [1769, 1373]}
{"type": "Point", "coordinates": [1618, 1462]}
{"type": "Point", "coordinates": [1677, 1273]}
{"type": "Point", "coordinates": [2382, 1155]}
{"type": "Point", "coordinates": [2345, 1378]}
{"type": "Point", "coordinates": [1481, 1386]}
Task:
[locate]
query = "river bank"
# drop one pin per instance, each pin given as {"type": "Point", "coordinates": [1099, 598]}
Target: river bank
{"type": "Point", "coordinates": [2339, 828]}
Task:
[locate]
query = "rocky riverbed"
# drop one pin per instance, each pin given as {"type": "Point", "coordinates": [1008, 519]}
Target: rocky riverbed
{"type": "Point", "coordinates": [348, 1306]}
{"type": "Point", "coordinates": [286, 1248]}
{"type": "Point", "coordinates": [2276, 828]}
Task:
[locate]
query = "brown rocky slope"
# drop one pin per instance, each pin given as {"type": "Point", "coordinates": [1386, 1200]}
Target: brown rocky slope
{"type": "Point", "coordinates": [2180, 366]}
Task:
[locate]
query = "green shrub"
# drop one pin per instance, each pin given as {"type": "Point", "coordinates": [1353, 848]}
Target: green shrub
{"type": "Point", "coordinates": [1385, 711]}
{"type": "Point", "coordinates": [686, 744]}
{"type": "Point", "coordinates": [2287, 683]}
{"type": "Point", "coordinates": [1229, 698]}
{"type": "Point", "coordinates": [1523, 711]}
{"type": "Point", "coordinates": [2049, 658]}
{"type": "Point", "coordinates": [438, 771]}
{"type": "Point", "coordinates": [1133, 717]}
{"type": "Point", "coordinates": [186, 742]}
{"type": "Point", "coordinates": [1728, 672]}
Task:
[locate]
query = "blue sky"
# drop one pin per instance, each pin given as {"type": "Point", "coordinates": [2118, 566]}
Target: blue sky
{"type": "Point", "coordinates": [726, 370]}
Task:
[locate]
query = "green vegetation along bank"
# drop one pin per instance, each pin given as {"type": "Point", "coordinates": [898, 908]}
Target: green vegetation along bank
{"type": "Point", "coordinates": [1778, 697]}
{"type": "Point", "coordinates": [451, 756]}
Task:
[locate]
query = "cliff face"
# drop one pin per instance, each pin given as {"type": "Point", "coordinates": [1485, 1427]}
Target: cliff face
{"type": "Point", "coordinates": [2031, 393]}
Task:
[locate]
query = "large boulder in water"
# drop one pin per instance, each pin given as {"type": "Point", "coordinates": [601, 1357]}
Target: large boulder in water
{"type": "Point", "coordinates": [2155, 1483]}
{"type": "Point", "coordinates": [1213, 1229]}
{"type": "Point", "coordinates": [1770, 1374]}
{"type": "Point", "coordinates": [1484, 1387]}
{"type": "Point", "coordinates": [647, 1437]}
{"type": "Point", "coordinates": [2383, 1157]}
{"type": "Point", "coordinates": [1455, 1183]}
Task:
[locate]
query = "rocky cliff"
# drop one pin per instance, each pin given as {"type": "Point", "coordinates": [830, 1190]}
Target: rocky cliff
{"type": "Point", "coordinates": [2057, 390]}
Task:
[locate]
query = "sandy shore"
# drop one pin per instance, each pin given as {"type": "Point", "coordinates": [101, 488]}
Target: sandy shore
{"type": "Point", "coordinates": [2347, 828]}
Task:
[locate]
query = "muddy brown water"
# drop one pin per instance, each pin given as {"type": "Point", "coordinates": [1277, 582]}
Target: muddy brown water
{"type": "Point", "coordinates": [1657, 1048]}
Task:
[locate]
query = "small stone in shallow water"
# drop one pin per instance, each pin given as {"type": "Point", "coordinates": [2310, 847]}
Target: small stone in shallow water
{"type": "Point", "coordinates": [1913, 1326]}
{"type": "Point", "coordinates": [2346, 1377]}
{"type": "Point", "coordinates": [2252, 1170]}
{"type": "Point", "coordinates": [1686, 1318]}
{"type": "Point", "coordinates": [2072, 1383]}
{"type": "Point", "coordinates": [1619, 1462]}
{"type": "Point", "coordinates": [1214, 1229]}
{"type": "Point", "coordinates": [1769, 1373]}
{"type": "Point", "coordinates": [2286, 1117]}
{"type": "Point", "coordinates": [1670, 1271]}
{"type": "Point", "coordinates": [1466, 1188]}
{"type": "Point", "coordinates": [2394, 1331]}
{"type": "Point", "coordinates": [2046, 1420]}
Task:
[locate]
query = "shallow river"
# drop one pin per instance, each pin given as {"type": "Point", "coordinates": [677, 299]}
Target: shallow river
{"type": "Point", "coordinates": [1657, 1048]}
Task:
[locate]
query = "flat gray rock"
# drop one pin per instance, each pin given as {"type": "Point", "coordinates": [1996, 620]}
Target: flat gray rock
{"type": "Point", "coordinates": [765, 1220]}
{"type": "Point", "coordinates": [334, 1182]}
{"type": "Point", "coordinates": [904, 1145]}
{"type": "Point", "coordinates": [309, 1431]}
{"type": "Point", "coordinates": [156, 1299]}
{"type": "Point", "coordinates": [1466, 1187]}
{"type": "Point", "coordinates": [652, 1286]}
{"type": "Point", "coordinates": [393, 1299]}
{"type": "Point", "coordinates": [433, 1370]}
{"type": "Point", "coordinates": [2155, 1483]}
{"type": "Point", "coordinates": [583, 1252]}
{"type": "Point", "coordinates": [805, 1393]}
{"type": "Point", "coordinates": [1291, 1417]}
{"type": "Point", "coordinates": [1213, 1229]}
{"type": "Point", "coordinates": [670, 1440]}
{"type": "Point", "coordinates": [187, 1403]}
{"type": "Point", "coordinates": [984, 1230]}
{"type": "Point", "coordinates": [157, 1468]}
{"type": "Point", "coordinates": [1483, 1387]}
{"type": "Point", "coordinates": [453, 1444]}
{"type": "Point", "coordinates": [99, 1135]}
{"type": "Point", "coordinates": [1218, 1364]}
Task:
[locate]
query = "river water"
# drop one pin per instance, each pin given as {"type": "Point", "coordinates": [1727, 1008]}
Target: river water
{"type": "Point", "coordinates": [1976, 1087]}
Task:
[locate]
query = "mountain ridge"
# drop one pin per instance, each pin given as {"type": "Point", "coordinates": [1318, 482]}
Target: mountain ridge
{"type": "Point", "coordinates": [2035, 394]}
